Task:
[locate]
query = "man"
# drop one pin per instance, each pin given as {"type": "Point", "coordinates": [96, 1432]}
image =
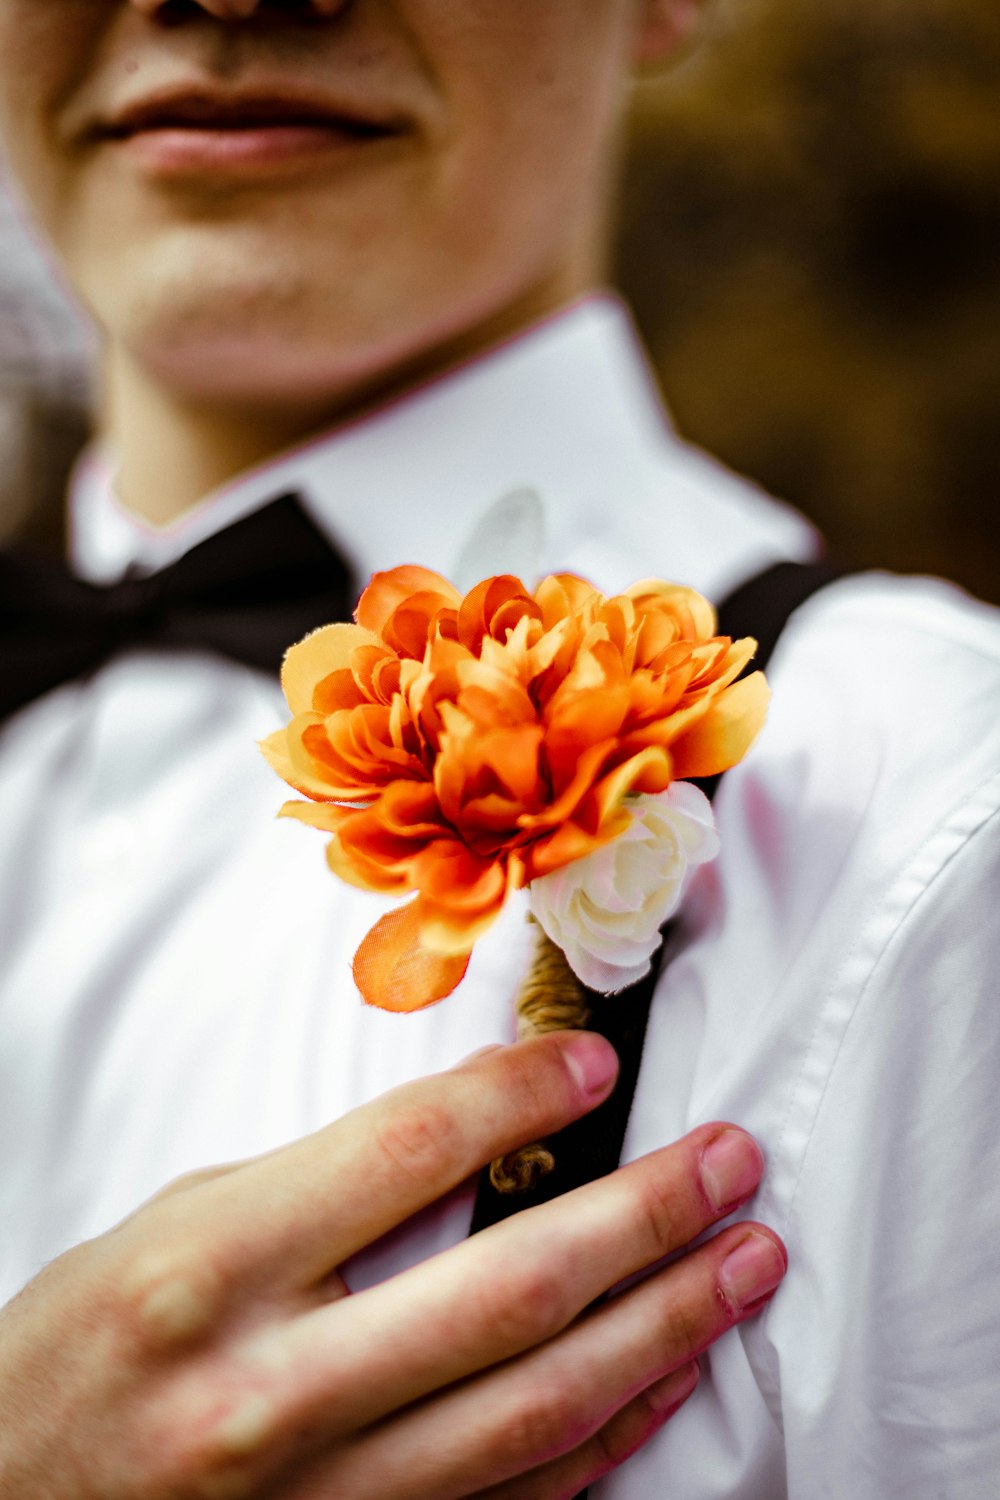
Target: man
{"type": "Point", "coordinates": [377, 220]}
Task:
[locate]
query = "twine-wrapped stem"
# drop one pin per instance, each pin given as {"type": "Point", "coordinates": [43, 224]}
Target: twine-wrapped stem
{"type": "Point", "coordinates": [551, 998]}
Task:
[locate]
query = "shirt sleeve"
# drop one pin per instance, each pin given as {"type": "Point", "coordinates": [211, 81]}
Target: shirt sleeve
{"type": "Point", "coordinates": [883, 1351]}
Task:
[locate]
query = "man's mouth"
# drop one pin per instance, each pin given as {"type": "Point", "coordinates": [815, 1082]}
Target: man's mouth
{"type": "Point", "coordinates": [194, 131]}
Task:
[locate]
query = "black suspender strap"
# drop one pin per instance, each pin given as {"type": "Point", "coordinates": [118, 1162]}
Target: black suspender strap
{"type": "Point", "coordinates": [761, 607]}
{"type": "Point", "coordinates": [591, 1147]}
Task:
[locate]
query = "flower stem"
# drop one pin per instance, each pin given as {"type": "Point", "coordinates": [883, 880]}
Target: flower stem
{"type": "Point", "coordinates": [551, 998]}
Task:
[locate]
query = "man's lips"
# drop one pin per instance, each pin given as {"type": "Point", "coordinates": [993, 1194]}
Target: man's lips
{"type": "Point", "coordinates": [194, 131]}
{"type": "Point", "coordinates": [193, 109]}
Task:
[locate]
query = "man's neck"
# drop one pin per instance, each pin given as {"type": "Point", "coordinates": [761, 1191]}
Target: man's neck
{"type": "Point", "coordinates": [173, 449]}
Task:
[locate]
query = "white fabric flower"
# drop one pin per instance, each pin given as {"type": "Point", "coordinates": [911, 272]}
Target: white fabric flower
{"type": "Point", "coordinates": [605, 911]}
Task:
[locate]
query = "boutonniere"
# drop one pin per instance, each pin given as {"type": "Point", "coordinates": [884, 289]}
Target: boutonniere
{"type": "Point", "coordinates": [459, 748]}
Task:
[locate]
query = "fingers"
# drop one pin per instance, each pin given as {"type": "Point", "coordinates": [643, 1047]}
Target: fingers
{"type": "Point", "coordinates": [516, 1285]}
{"type": "Point", "coordinates": [576, 1405]}
{"type": "Point", "coordinates": [474, 1368]}
{"type": "Point", "coordinates": [609, 1447]}
{"type": "Point", "coordinates": [299, 1212]}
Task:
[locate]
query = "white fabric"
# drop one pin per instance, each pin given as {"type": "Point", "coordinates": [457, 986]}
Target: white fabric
{"type": "Point", "coordinates": [174, 963]}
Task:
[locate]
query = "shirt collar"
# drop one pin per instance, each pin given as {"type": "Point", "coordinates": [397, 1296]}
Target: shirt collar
{"type": "Point", "coordinates": [549, 451]}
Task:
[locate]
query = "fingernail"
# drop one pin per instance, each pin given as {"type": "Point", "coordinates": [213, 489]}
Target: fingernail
{"type": "Point", "coordinates": [731, 1167]}
{"type": "Point", "coordinates": [751, 1271]}
{"type": "Point", "coordinates": [674, 1388]}
{"type": "Point", "coordinates": [592, 1061]}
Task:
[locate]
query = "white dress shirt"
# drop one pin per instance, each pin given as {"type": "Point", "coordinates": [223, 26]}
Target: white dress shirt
{"type": "Point", "coordinates": [175, 983]}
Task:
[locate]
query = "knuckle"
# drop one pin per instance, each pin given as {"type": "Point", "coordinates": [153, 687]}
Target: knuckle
{"type": "Point", "coordinates": [528, 1308]}
{"type": "Point", "coordinates": [690, 1320]}
{"type": "Point", "coordinates": [167, 1296]}
{"type": "Point", "coordinates": [234, 1448]}
{"type": "Point", "coordinates": [532, 1086]}
{"type": "Point", "coordinates": [613, 1444]}
{"type": "Point", "coordinates": [543, 1425]}
{"type": "Point", "coordinates": [211, 1437]}
{"type": "Point", "coordinates": [420, 1141]}
{"type": "Point", "coordinates": [546, 1085]}
{"type": "Point", "coordinates": [201, 1476]}
{"type": "Point", "coordinates": [232, 1484]}
{"type": "Point", "coordinates": [659, 1215]}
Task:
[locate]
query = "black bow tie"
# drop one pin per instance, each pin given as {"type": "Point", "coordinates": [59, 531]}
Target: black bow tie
{"type": "Point", "coordinates": [247, 592]}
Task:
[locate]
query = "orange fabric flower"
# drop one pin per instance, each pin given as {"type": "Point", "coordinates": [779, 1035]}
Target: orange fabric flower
{"type": "Point", "coordinates": [459, 747]}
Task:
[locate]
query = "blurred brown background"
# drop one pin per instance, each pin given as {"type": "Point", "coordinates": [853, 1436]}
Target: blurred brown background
{"type": "Point", "coordinates": [45, 361]}
{"type": "Point", "coordinates": [810, 233]}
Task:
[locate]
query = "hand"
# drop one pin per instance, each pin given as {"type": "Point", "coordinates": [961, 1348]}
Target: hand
{"type": "Point", "coordinates": [207, 1347]}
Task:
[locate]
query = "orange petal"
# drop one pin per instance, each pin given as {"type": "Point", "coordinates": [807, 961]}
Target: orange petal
{"type": "Point", "coordinates": [724, 666]}
{"type": "Point", "coordinates": [393, 972]}
{"type": "Point", "coordinates": [387, 591]}
{"type": "Point", "coordinates": [690, 608]}
{"type": "Point", "coordinates": [492, 608]}
{"type": "Point", "coordinates": [362, 748]}
{"type": "Point", "coordinates": [725, 732]}
{"type": "Point", "coordinates": [410, 809]}
{"type": "Point", "coordinates": [513, 756]}
{"type": "Point", "coordinates": [562, 847]}
{"type": "Point", "coordinates": [410, 627]}
{"type": "Point", "coordinates": [321, 772]}
{"type": "Point", "coordinates": [337, 691]}
{"type": "Point", "coordinates": [287, 754]}
{"type": "Point", "coordinates": [649, 771]}
{"type": "Point", "coordinates": [568, 798]}
{"type": "Point", "coordinates": [442, 933]}
{"type": "Point", "coordinates": [563, 594]}
{"type": "Point", "coordinates": [655, 633]}
{"type": "Point", "coordinates": [325, 815]}
{"type": "Point", "coordinates": [376, 671]}
{"type": "Point", "coordinates": [275, 751]}
{"type": "Point", "coordinates": [508, 757]}
{"type": "Point", "coordinates": [366, 853]}
{"type": "Point", "coordinates": [587, 709]}
{"type": "Point", "coordinates": [354, 868]}
{"type": "Point", "coordinates": [325, 651]}
{"type": "Point", "coordinates": [450, 875]}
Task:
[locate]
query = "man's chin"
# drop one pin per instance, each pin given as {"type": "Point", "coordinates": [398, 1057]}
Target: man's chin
{"type": "Point", "coordinates": [277, 372]}
{"type": "Point", "coordinates": [253, 375]}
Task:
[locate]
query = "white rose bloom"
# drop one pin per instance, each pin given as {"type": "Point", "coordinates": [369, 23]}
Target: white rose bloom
{"type": "Point", "coordinates": [605, 911]}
